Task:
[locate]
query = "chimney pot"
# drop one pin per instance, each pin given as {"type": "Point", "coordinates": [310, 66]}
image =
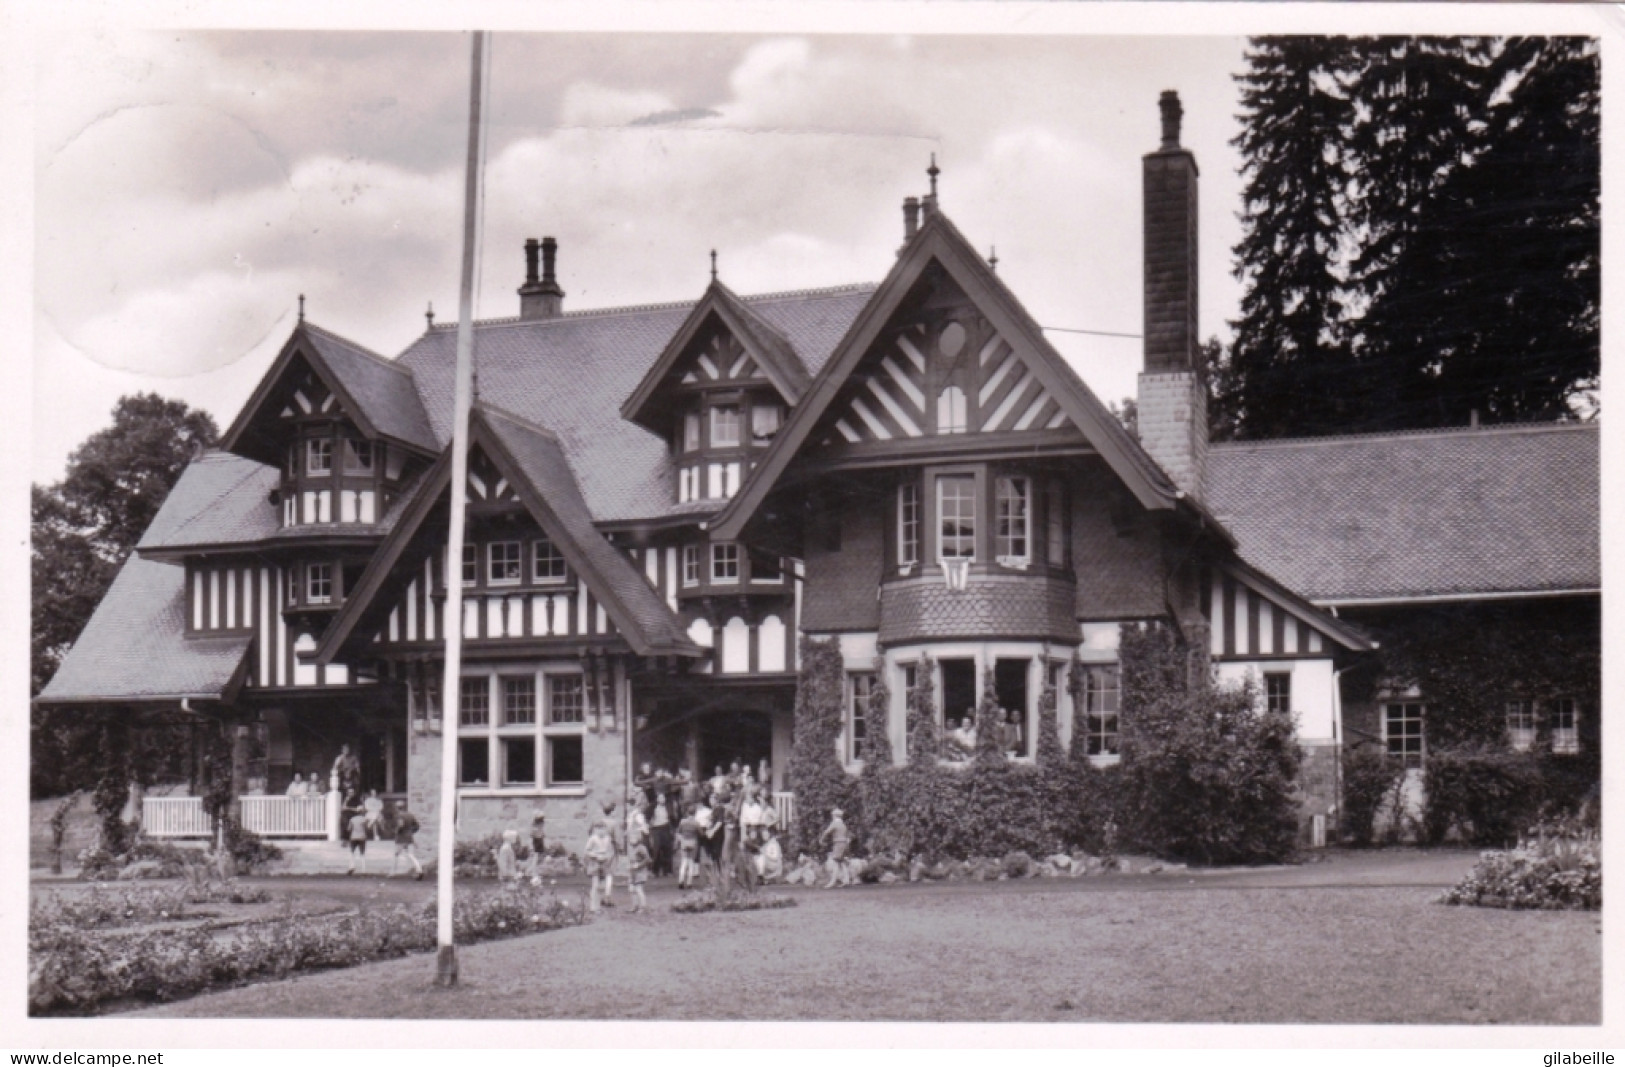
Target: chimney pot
{"type": "Point", "coordinates": [540, 297]}
{"type": "Point", "coordinates": [911, 216]}
{"type": "Point", "coordinates": [1172, 112]}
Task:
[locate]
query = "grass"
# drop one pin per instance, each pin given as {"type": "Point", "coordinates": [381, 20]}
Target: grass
{"type": "Point", "coordinates": [1128, 950]}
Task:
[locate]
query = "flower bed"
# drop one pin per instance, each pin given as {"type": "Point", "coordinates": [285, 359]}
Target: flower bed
{"type": "Point", "coordinates": [78, 968]}
{"type": "Point", "coordinates": [1555, 867]}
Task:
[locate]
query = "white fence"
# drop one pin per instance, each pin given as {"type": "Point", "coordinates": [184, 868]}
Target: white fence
{"type": "Point", "coordinates": [316, 816]}
{"type": "Point", "coordinates": [175, 817]}
{"type": "Point", "coordinates": [784, 805]}
{"type": "Point", "coordinates": [286, 816]}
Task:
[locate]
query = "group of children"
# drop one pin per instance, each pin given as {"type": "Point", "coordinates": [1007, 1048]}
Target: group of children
{"type": "Point", "coordinates": [373, 820]}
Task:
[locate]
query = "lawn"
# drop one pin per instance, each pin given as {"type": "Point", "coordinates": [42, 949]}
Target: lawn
{"type": "Point", "coordinates": [1273, 947]}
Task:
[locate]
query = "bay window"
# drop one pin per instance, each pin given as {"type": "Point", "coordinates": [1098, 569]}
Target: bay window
{"type": "Point", "coordinates": [357, 456]}
{"type": "Point", "coordinates": [318, 583]}
{"type": "Point", "coordinates": [765, 420]}
{"type": "Point", "coordinates": [1012, 523]}
{"type": "Point", "coordinates": [503, 566]}
{"type": "Point", "coordinates": [725, 426]}
{"type": "Point", "coordinates": [691, 564]}
{"type": "Point", "coordinates": [691, 432]}
{"type": "Point", "coordinates": [724, 563]}
{"type": "Point", "coordinates": [319, 456]}
{"type": "Point", "coordinates": [908, 524]}
{"type": "Point", "coordinates": [547, 563]}
{"type": "Point", "coordinates": [1055, 522]}
{"type": "Point", "coordinates": [956, 516]}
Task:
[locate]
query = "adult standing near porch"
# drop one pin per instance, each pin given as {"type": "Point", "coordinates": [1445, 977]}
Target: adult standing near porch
{"type": "Point", "coordinates": [660, 826]}
{"type": "Point", "coordinates": [347, 769]}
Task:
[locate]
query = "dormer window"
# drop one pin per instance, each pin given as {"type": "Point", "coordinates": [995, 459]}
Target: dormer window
{"type": "Point", "coordinates": [504, 566]}
{"type": "Point", "coordinates": [547, 563]}
{"type": "Point", "coordinates": [357, 456]}
{"type": "Point", "coordinates": [765, 420]}
{"type": "Point", "coordinates": [319, 583]}
{"type": "Point", "coordinates": [724, 564]}
{"type": "Point", "coordinates": [691, 432]}
{"type": "Point", "coordinates": [951, 410]}
{"type": "Point", "coordinates": [319, 456]}
{"type": "Point", "coordinates": [725, 426]}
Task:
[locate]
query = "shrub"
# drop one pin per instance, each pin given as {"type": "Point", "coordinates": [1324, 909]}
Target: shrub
{"type": "Point", "coordinates": [704, 900]}
{"type": "Point", "coordinates": [144, 858]}
{"type": "Point", "coordinates": [1484, 795]}
{"type": "Point", "coordinates": [1556, 866]}
{"type": "Point", "coordinates": [1017, 865]}
{"type": "Point", "coordinates": [820, 782]}
{"type": "Point", "coordinates": [1207, 775]}
{"type": "Point", "coordinates": [1370, 776]}
{"type": "Point", "coordinates": [924, 739]}
{"type": "Point", "coordinates": [248, 851]}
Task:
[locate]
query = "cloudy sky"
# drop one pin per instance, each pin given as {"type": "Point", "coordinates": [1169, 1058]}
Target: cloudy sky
{"type": "Point", "coordinates": [190, 185]}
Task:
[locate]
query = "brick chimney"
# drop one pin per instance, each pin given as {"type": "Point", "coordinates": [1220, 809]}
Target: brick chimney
{"type": "Point", "coordinates": [540, 298]}
{"type": "Point", "coordinates": [1173, 400]}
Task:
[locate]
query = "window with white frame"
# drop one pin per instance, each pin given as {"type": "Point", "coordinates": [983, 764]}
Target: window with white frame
{"type": "Point", "coordinates": [562, 734]}
{"type": "Point", "coordinates": [319, 456]}
{"type": "Point", "coordinates": [908, 524]}
{"type": "Point", "coordinates": [1278, 692]}
{"type": "Point", "coordinates": [519, 700]}
{"type": "Point", "coordinates": [1012, 520]}
{"type": "Point", "coordinates": [724, 563]}
{"type": "Point", "coordinates": [318, 583]}
{"type": "Point", "coordinates": [860, 686]}
{"type": "Point", "coordinates": [471, 564]}
{"type": "Point", "coordinates": [566, 700]}
{"type": "Point", "coordinates": [357, 456]}
{"type": "Point", "coordinates": [691, 564]}
{"type": "Point", "coordinates": [547, 563]}
{"type": "Point", "coordinates": [1404, 731]}
{"type": "Point", "coordinates": [1521, 724]}
{"type": "Point", "coordinates": [691, 432]}
{"type": "Point", "coordinates": [1565, 720]}
{"type": "Point", "coordinates": [474, 701]}
{"type": "Point", "coordinates": [508, 740]}
{"type": "Point", "coordinates": [725, 426]}
{"type": "Point", "coordinates": [1101, 694]}
{"type": "Point", "coordinates": [956, 516]}
{"type": "Point", "coordinates": [518, 710]}
{"type": "Point", "coordinates": [504, 563]}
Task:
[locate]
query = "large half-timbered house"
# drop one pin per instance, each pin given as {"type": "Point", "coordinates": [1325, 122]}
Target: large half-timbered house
{"type": "Point", "coordinates": [663, 499]}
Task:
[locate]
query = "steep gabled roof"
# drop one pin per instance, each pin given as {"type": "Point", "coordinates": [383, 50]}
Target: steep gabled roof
{"type": "Point", "coordinates": [940, 242]}
{"type": "Point", "coordinates": [560, 372]}
{"type": "Point", "coordinates": [1335, 629]}
{"type": "Point", "coordinates": [761, 340]}
{"type": "Point", "coordinates": [533, 462]}
{"type": "Point", "coordinates": [377, 393]}
{"type": "Point", "coordinates": [1501, 510]}
{"type": "Point", "coordinates": [135, 647]}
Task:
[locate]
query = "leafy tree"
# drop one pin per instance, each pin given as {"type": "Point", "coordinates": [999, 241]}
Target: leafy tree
{"type": "Point", "coordinates": [876, 719]}
{"type": "Point", "coordinates": [84, 528]}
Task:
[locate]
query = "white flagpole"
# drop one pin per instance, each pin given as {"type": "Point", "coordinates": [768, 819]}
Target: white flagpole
{"type": "Point", "coordinates": [446, 963]}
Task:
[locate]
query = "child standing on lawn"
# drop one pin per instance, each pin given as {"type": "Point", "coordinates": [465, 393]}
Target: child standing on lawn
{"type": "Point", "coordinates": [406, 829]}
{"type": "Point", "coordinates": [358, 841]}
{"type": "Point", "coordinates": [688, 848]}
{"type": "Point", "coordinates": [638, 870]}
{"type": "Point", "coordinates": [508, 858]}
{"type": "Point", "coordinates": [838, 839]}
{"type": "Point", "coordinates": [600, 857]}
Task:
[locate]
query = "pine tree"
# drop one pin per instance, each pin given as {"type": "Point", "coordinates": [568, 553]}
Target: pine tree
{"type": "Point", "coordinates": [989, 724]}
{"type": "Point", "coordinates": [1289, 364]}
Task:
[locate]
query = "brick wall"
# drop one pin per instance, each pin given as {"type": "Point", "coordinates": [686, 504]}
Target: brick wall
{"type": "Point", "coordinates": [1170, 261]}
{"type": "Point", "coordinates": [1002, 605]}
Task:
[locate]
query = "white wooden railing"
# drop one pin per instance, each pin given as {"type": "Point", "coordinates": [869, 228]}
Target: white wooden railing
{"type": "Point", "coordinates": [285, 816]}
{"type": "Point", "coordinates": [784, 805]}
{"type": "Point", "coordinates": [175, 817]}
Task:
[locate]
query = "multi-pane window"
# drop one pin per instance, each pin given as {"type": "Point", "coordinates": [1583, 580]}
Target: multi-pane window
{"type": "Point", "coordinates": [504, 563]}
{"type": "Point", "coordinates": [319, 583]}
{"type": "Point", "coordinates": [471, 564]}
{"type": "Point", "coordinates": [1403, 732]}
{"type": "Point", "coordinates": [474, 701]}
{"type": "Point", "coordinates": [547, 563]}
{"type": "Point", "coordinates": [1521, 724]}
{"type": "Point", "coordinates": [724, 563]}
{"type": "Point", "coordinates": [1012, 525]}
{"type": "Point", "coordinates": [565, 765]}
{"type": "Point", "coordinates": [956, 516]}
{"type": "Point", "coordinates": [724, 426]}
{"type": "Point", "coordinates": [1055, 523]}
{"type": "Point", "coordinates": [691, 432]}
{"type": "Point", "coordinates": [566, 700]}
{"type": "Point", "coordinates": [1565, 717]}
{"type": "Point", "coordinates": [1100, 710]}
{"type": "Point", "coordinates": [519, 760]}
{"type": "Point", "coordinates": [319, 456]}
{"type": "Point", "coordinates": [1278, 692]}
{"type": "Point", "coordinates": [357, 456]}
{"type": "Point", "coordinates": [860, 686]}
{"type": "Point", "coordinates": [691, 564]}
{"type": "Point", "coordinates": [765, 420]}
{"type": "Point", "coordinates": [519, 700]}
{"type": "Point", "coordinates": [474, 760]}
{"type": "Point", "coordinates": [951, 410]}
{"type": "Point", "coordinates": [908, 524]}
